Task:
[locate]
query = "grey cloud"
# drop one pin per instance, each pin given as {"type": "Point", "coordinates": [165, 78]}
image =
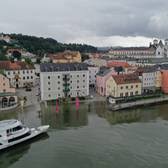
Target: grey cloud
{"type": "Point", "coordinates": [66, 20]}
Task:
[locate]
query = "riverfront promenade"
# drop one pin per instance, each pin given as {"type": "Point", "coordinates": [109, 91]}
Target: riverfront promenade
{"type": "Point", "coordinates": [115, 107]}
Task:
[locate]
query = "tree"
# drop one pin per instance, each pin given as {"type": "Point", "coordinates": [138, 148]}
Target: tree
{"type": "Point", "coordinates": [16, 54]}
{"type": "Point", "coordinates": [3, 57]}
{"type": "Point", "coordinates": [28, 60]}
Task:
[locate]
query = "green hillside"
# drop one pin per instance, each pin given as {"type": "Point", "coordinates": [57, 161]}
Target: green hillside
{"type": "Point", "coordinates": [40, 45]}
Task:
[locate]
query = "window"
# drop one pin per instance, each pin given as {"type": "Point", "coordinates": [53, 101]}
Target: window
{"type": "Point", "coordinates": [58, 82]}
{"type": "Point", "coordinates": [126, 87]}
{"type": "Point", "coordinates": [121, 87]}
{"type": "Point", "coordinates": [136, 92]}
{"type": "Point", "coordinates": [23, 78]}
{"type": "Point", "coordinates": [77, 81]}
{"type": "Point", "coordinates": [17, 128]}
{"type": "Point", "coordinates": [48, 77]}
{"type": "Point", "coordinates": [49, 88]}
{"type": "Point", "coordinates": [48, 83]}
{"type": "Point", "coordinates": [121, 94]}
{"type": "Point", "coordinates": [77, 76]}
{"type": "Point", "coordinates": [126, 94]}
{"type": "Point", "coordinates": [13, 72]}
{"type": "Point", "coordinates": [136, 86]}
{"type": "Point", "coordinates": [78, 87]}
{"type": "Point", "coordinates": [83, 80]}
{"type": "Point", "coordinates": [27, 77]}
{"type": "Point", "coordinates": [131, 86]}
{"type": "Point", "coordinates": [31, 71]}
{"type": "Point", "coordinates": [49, 95]}
{"type": "Point", "coordinates": [58, 88]}
{"type": "Point", "coordinates": [23, 72]}
{"type": "Point", "coordinates": [31, 77]}
{"type": "Point", "coordinates": [131, 94]}
{"type": "Point", "coordinates": [19, 137]}
{"type": "Point", "coordinates": [83, 86]}
{"type": "Point", "coordinates": [3, 84]}
{"type": "Point", "coordinates": [27, 71]}
{"type": "Point", "coordinates": [8, 73]}
{"type": "Point", "coordinates": [4, 90]}
{"type": "Point", "coordinates": [58, 77]}
{"type": "Point", "coordinates": [83, 75]}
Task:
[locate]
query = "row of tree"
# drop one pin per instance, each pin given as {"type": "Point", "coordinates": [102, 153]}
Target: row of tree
{"type": "Point", "coordinates": [40, 45]}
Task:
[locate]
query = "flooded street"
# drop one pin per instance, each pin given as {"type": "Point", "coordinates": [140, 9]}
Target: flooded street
{"type": "Point", "coordinates": [92, 138]}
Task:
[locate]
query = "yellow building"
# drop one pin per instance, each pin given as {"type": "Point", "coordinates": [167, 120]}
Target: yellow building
{"type": "Point", "coordinates": [98, 62]}
{"type": "Point", "coordinates": [66, 57]}
{"type": "Point", "coordinates": [123, 85]}
{"type": "Point", "coordinates": [5, 85]}
{"type": "Point", "coordinates": [158, 79]}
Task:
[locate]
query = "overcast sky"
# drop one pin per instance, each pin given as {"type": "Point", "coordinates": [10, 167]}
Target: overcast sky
{"type": "Point", "coordinates": [96, 22]}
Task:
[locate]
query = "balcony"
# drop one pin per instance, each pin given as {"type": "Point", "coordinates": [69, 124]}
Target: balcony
{"type": "Point", "coordinates": [65, 79]}
{"type": "Point", "coordinates": [66, 90]}
{"type": "Point", "coordinates": [66, 84]}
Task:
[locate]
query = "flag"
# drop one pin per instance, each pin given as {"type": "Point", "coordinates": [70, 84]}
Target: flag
{"type": "Point", "coordinates": [77, 103]}
{"type": "Point", "coordinates": [57, 106]}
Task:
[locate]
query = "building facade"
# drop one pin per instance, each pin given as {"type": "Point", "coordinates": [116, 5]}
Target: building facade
{"type": "Point", "coordinates": [148, 77]}
{"type": "Point", "coordinates": [20, 74]}
{"type": "Point", "coordinates": [164, 73]}
{"type": "Point", "coordinates": [101, 78]}
{"type": "Point", "coordinates": [134, 52]}
{"type": "Point", "coordinates": [123, 85]}
{"type": "Point", "coordinates": [66, 57]}
{"type": "Point", "coordinates": [7, 94]}
{"type": "Point", "coordinates": [63, 80]}
{"type": "Point", "coordinates": [93, 70]}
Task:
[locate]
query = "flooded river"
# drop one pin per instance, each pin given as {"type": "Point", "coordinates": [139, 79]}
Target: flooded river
{"type": "Point", "coordinates": [92, 137]}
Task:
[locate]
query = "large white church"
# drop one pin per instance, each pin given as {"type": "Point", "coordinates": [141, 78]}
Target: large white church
{"type": "Point", "coordinates": [161, 48]}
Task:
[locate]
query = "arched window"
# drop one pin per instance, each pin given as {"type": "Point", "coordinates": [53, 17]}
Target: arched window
{"type": "Point", "coordinates": [4, 102]}
{"type": "Point", "coordinates": [11, 100]}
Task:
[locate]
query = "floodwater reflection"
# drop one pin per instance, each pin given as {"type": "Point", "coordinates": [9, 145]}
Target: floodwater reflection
{"type": "Point", "coordinates": [67, 116]}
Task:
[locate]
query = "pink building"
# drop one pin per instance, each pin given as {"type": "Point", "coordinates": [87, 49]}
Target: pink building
{"type": "Point", "coordinates": [101, 79]}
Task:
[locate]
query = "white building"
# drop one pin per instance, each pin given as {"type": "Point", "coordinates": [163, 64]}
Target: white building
{"type": "Point", "coordinates": [5, 38]}
{"type": "Point", "coordinates": [133, 52]}
{"type": "Point", "coordinates": [161, 48]}
{"type": "Point", "coordinates": [20, 74]}
{"type": "Point", "coordinates": [63, 80]}
{"type": "Point", "coordinates": [93, 70]}
{"type": "Point", "coordinates": [148, 78]}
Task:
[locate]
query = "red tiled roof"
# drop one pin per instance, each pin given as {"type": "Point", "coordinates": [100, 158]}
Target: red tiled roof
{"type": "Point", "coordinates": [126, 79]}
{"type": "Point", "coordinates": [18, 65]}
{"type": "Point", "coordinates": [118, 64]}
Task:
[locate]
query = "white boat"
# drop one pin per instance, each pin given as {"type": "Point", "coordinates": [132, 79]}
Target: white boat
{"type": "Point", "coordinates": [13, 132]}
